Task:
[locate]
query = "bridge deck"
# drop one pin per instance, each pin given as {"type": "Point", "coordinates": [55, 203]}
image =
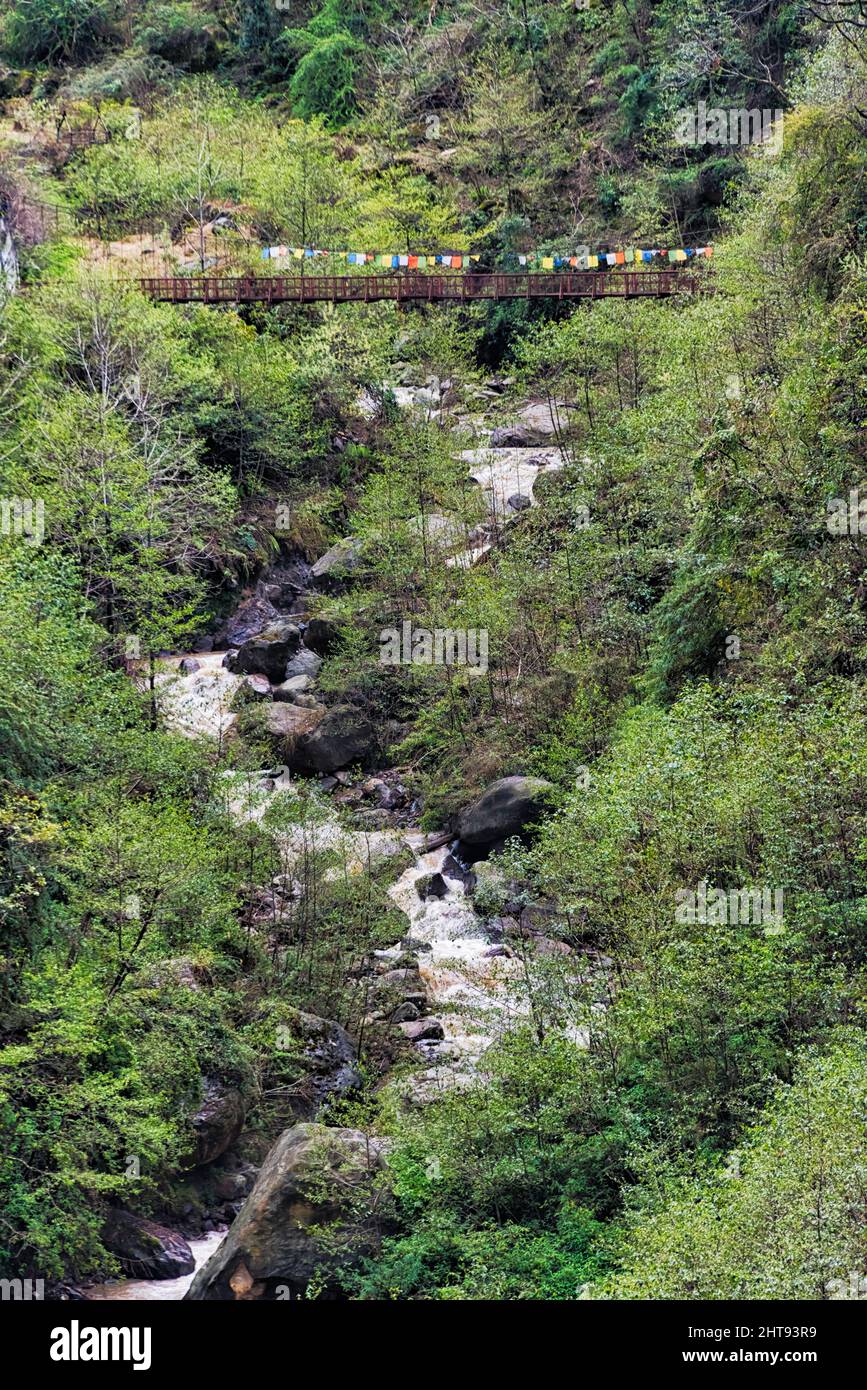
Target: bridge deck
{"type": "Point", "coordinates": [468, 288]}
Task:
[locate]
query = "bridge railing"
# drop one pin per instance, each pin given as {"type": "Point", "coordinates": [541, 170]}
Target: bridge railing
{"type": "Point", "coordinates": [467, 288]}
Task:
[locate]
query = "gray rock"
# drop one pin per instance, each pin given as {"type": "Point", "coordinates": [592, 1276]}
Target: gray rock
{"type": "Point", "coordinates": [407, 960]}
{"type": "Point", "coordinates": [423, 1030]}
{"type": "Point", "coordinates": [518, 502]}
{"type": "Point", "coordinates": [452, 868]}
{"type": "Point", "coordinates": [345, 735]}
{"type": "Point", "coordinates": [321, 635]}
{"type": "Point", "coordinates": [391, 798]}
{"type": "Point", "coordinates": [189, 666]}
{"type": "Point", "coordinates": [316, 1208]}
{"type": "Point", "coordinates": [406, 977]}
{"type": "Point", "coordinates": [303, 663]}
{"type": "Point", "coordinates": [516, 437]}
{"type": "Point", "coordinates": [217, 1123]}
{"type": "Point", "coordinates": [401, 986]}
{"type": "Point", "coordinates": [268, 653]}
{"type": "Point", "coordinates": [289, 690]}
{"type": "Point", "coordinates": [503, 809]}
{"type": "Point", "coordinates": [405, 1013]}
{"type": "Point", "coordinates": [341, 561]}
{"type": "Point", "coordinates": [432, 886]}
{"type": "Point", "coordinates": [327, 1060]}
{"type": "Point", "coordinates": [548, 946]}
{"type": "Point", "coordinates": [230, 1186]}
{"type": "Point", "coordinates": [287, 724]}
{"type": "Point", "coordinates": [256, 687]}
{"type": "Point", "coordinates": [250, 617]}
{"type": "Point", "coordinates": [146, 1250]}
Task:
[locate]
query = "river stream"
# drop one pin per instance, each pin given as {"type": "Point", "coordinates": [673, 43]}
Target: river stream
{"type": "Point", "coordinates": [465, 981]}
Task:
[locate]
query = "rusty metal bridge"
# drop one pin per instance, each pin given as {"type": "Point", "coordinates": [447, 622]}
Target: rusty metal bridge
{"type": "Point", "coordinates": [409, 288]}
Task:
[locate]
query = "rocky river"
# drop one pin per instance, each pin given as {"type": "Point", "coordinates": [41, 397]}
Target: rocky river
{"type": "Point", "coordinates": [451, 977]}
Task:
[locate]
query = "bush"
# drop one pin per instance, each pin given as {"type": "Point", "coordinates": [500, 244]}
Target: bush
{"type": "Point", "coordinates": [324, 82]}
{"type": "Point", "coordinates": [180, 35]}
{"type": "Point", "coordinates": [59, 31]}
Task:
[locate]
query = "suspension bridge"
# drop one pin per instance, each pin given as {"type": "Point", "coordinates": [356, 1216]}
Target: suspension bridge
{"type": "Point", "coordinates": [468, 288]}
{"type": "Point", "coordinates": [228, 286]}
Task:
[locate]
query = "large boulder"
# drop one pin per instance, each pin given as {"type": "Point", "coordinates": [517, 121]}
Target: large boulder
{"type": "Point", "coordinates": [326, 1057]}
{"type": "Point", "coordinates": [516, 437]}
{"type": "Point", "coordinates": [344, 736]}
{"type": "Point", "coordinates": [422, 1030]}
{"type": "Point", "coordinates": [144, 1249]}
{"type": "Point", "coordinates": [218, 1121]}
{"type": "Point", "coordinates": [396, 987]}
{"type": "Point", "coordinates": [316, 1208]}
{"type": "Point", "coordinates": [503, 809]}
{"type": "Point", "coordinates": [288, 724]}
{"type": "Point", "coordinates": [304, 663]}
{"type": "Point", "coordinates": [249, 618]}
{"type": "Point", "coordinates": [268, 653]}
{"type": "Point", "coordinates": [288, 692]}
{"type": "Point", "coordinates": [321, 635]}
{"type": "Point", "coordinates": [432, 886]}
{"type": "Point", "coordinates": [338, 563]}
{"type": "Point", "coordinates": [252, 690]}
{"type": "Point", "coordinates": [545, 417]}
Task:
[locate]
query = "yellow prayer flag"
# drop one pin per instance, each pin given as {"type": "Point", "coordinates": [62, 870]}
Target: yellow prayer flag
{"type": "Point", "coordinates": [547, 262]}
{"type": "Point", "coordinates": [593, 262]}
